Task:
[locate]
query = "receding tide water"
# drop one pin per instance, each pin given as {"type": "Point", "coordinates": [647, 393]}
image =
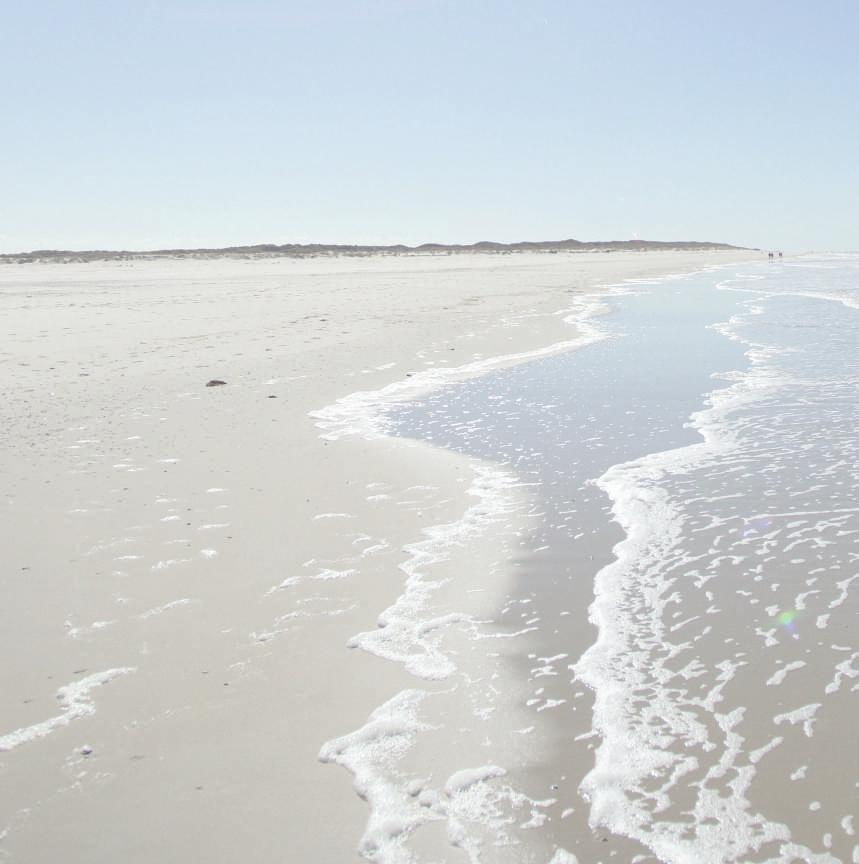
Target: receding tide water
{"type": "Point", "coordinates": [696, 481]}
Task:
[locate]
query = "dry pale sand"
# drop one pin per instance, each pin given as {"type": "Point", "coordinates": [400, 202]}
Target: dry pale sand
{"type": "Point", "coordinates": [184, 566]}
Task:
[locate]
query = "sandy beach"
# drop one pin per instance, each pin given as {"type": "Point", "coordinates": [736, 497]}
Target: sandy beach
{"type": "Point", "coordinates": [194, 576]}
{"type": "Point", "coordinates": [429, 433]}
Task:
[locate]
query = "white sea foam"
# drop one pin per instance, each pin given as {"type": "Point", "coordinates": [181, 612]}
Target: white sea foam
{"type": "Point", "coordinates": [778, 677]}
{"type": "Point", "coordinates": [842, 670]}
{"type": "Point", "coordinates": [462, 780]}
{"type": "Point", "coordinates": [371, 754]}
{"type": "Point", "coordinates": [561, 856]}
{"type": "Point", "coordinates": [804, 715]}
{"type": "Point", "coordinates": [409, 631]}
{"type": "Point", "coordinates": [362, 413]}
{"type": "Point", "coordinates": [473, 806]}
{"type": "Point", "coordinates": [75, 702]}
{"type": "Point", "coordinates": [639, 742]}
{"type": "Point", "coordinates": [328, 574]}
{"type": "Point", "coordinates": [78, 632]}
{"type": "Point", "coordinates": [165, 607]}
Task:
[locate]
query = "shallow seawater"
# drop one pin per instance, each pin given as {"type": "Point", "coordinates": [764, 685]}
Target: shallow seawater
{"type": "Point", "coordinates": [695, 472]}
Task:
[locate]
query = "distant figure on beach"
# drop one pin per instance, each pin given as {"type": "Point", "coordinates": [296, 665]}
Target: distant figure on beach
{"type": "Point", "coordinates": [780, 255]}
{"type": "Point", "coordinates": [771, 254]}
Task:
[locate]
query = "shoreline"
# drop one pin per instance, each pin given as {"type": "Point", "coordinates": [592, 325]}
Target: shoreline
{"type": "Point", "coordinates": [764, 817]}
{"type": "Point", "coordinates": [600, 783]}
{"type": "Point", "coordinates": [130, 381]}
{"type": "Point", "coordinates": [364, 414]}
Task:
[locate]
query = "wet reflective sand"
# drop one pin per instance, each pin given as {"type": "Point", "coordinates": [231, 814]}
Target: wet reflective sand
{"type": "Point", "coordinates": [703, 713]}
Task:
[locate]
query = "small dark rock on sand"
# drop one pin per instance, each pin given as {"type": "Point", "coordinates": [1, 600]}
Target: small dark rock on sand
{"type": "Point", "coordinates": [215, 382]}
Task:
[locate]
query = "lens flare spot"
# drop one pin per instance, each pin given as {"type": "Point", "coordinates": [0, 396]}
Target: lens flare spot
{"type": "Point", "coordinates": [786, 618]}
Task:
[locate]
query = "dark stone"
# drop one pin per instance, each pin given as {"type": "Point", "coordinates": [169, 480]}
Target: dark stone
{"type": "Point", "coordinates": [215, 382]}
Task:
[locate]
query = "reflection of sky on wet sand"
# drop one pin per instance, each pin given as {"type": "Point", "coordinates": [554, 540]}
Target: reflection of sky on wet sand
{"type": "Point", "coordinates": [757, 552]}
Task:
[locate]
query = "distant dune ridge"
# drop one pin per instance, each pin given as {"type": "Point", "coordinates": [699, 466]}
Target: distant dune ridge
{"type": "Point", "coordinates": [301, 250]}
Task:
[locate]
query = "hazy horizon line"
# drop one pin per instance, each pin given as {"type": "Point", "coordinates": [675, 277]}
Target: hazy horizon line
{"type": "Point", "coordinates": [399, 246]}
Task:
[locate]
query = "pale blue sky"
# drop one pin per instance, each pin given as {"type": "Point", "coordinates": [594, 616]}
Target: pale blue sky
{"type": "Point", "coordinates": [186, 123]}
